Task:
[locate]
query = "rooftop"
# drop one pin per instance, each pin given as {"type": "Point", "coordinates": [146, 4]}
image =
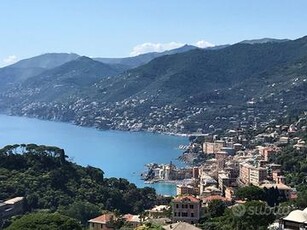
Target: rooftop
{"type": "Point", "coordinates": [297, 216]}
{"type": "Point", "coordinates": [214, 197]}
{"type": "Point", "coordinates": [280, 186]}
{"type": "Point", "coordinates": [103, 219]}
{"type": "Point", "coordinates": [186, 198]}
{"type": "Point", "coordinates": [13, 200]}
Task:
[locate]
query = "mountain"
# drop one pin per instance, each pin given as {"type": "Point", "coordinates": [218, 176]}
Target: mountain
{"type": "Point", "coordinates": [46, 61]}
{"type": "Point", "coordinates": [242, 85]}
{"type": "Point", "coordinates": [69, 78]}
{"type": "Point", "coordinates": [132, 62]}
{"type": "Point", "coordinates": [30, 67]}
{"type": "Point", "coordinates": [264, 40]}
{"type": "Point", "coordinates": [27, 68]}
{"type": "Point", "coordinates": [194, 73]}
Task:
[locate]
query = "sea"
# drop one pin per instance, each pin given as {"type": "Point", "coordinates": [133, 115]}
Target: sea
{"type": "Point", "coordinates": [119, 154]}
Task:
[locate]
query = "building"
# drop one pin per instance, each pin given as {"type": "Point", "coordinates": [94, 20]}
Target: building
{"type": "Point", "coordinates": [250, 174]}
{"type": "Point", "coordinates": [267, 152]}
{"type": "Point", "coordinates": [158, 211]}
{"type": "Point", "coordinates": [133, 220]}
{"type": "Point", "coordinates": [223, 180]}
{"type": "Point", "coordinates": [213, 147]}
{"type": "Point", "coordinates": [206, 181]}
{"type": "Point", "coordinates": [296, 220]}
{"type": "Point", "coordinates": [185, 190]}
{"type": "Point", "coordinates": [211, 191]}
{"type": "Point", "coordinates": [283, 189]}
{"type": "Point", "coordinates": [186, 209]}
{"type": "Point", "coordinates": [257, 175]}
{"type": "Point", "coordinates": [208, 199]}
{"type": "Point", "coordinates": [103, 222]}
{"type": "Point", "coordinates": [230, 193]}
{"type": "Point", "coordinates": [221, 158]}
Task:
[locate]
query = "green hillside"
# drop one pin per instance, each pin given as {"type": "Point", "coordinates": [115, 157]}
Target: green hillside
{"type": "Point", "coordinates": [48, 180]}
{"type": "Point", "coordinates": [236, 86]}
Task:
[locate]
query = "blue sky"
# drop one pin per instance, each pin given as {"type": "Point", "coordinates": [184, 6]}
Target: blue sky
{"type": "Point", "coordinates": [117, 28]}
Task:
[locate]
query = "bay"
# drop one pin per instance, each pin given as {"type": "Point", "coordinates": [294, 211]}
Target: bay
{"type": "Point", "coordinates": [117, 153]}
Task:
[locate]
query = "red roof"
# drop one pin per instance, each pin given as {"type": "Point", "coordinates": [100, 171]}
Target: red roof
{"type": "Point", "coordinates": [187, 198]}
{"type": "Point", "coordinates": [103, 219]}
{"type": "Point", "coordinates": [214, 197]}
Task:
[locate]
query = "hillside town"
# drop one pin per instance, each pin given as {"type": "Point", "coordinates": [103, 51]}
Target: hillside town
{"type": "Point", "coordinates": [229, 162]}
{"type": "Point", "coordinates": [232, 161]}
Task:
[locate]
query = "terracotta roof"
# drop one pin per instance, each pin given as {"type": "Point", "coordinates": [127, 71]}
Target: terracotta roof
{"type": "Point", "coordinates": [189, 198]}
{"type": "Point", "coordinates": [214, 197]}
{"type": "Point", "coordinates": [103, 219]}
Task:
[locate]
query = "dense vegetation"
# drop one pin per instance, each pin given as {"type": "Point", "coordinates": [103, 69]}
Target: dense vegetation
{"type": "Point", "coordinates": [49, 181]}
{"type": "Point", "coordinates": [247, 216]}
{"type": "Point", "coordinates": [44, 221]}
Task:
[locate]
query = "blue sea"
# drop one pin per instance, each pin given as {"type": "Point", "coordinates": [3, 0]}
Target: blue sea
{"type": "Point", "coordinates": [117, 153]}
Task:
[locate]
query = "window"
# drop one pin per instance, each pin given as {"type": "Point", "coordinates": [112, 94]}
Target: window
{"type": "Point", "coordinates": [191, 206]}
{"type": "Point", "coordinates": [178, 213]}
{"type": "Point", "coordinates": [177, 206]}
{"type": "Point", "coordinates": [185, 214]}
{"type": "Point", "coordinates": [175, 213]}
{"type": "Point", "coordinates": [192, 214]}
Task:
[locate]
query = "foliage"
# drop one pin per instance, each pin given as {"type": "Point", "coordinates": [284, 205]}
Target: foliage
{"type": "Point", "coordinates": [49, 181]}
{"type": "Point", "coordinates": [82, 211]}
{"type": "Point", "coordinates": [216, 208]}
{"type": "Point", "coordinates": [250, 193]}
{"type": "Point", "coordinates": [44, 221]}
{"type": "Point", "coordinates": [149, 226]}
{"type": "Point", "coordinates": [301, 201]}
{"type": "Point", "coordinates": [252, 215]}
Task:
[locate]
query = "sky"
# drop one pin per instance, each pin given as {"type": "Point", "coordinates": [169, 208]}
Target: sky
{"type": "Point", "coordinates": [121, 28]}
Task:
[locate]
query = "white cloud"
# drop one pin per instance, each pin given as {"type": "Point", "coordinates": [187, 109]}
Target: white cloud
{"type": "Point", "coordinates": [203, 44]}
{"type": "Point", "coordinates": [154, 47]}
{"type": "Point", "coordinates": [160, 47]}
{"type": "Point", "coordinates": [9, 60]}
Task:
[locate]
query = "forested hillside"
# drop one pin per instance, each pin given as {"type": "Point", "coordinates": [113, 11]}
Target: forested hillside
{"type": "Point", "coordinates": [48, 180]}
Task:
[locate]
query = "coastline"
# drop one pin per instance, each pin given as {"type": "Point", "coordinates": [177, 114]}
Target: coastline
{"type": "Point", "coordinates": [97, 128]}
{"type": "Point", "coordinates": [87, 146]}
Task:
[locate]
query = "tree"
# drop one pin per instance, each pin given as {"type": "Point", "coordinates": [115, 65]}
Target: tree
{"type": "Point", "coordinates": [82, 211]}
{"type": "Point", "coordinates": [216, 208]}
{"type": "Point", "coordinates": [250, 193]}
{"type": "Point", "coordinates": [46, 221]}
{"type": "Point", "coordinates": [253, 215]}
{"type": "Point", "coordinates": [302, 199]}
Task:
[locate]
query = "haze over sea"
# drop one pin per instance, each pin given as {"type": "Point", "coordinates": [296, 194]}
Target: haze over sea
{"type": "Point", "coordinates": [117, 153]}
